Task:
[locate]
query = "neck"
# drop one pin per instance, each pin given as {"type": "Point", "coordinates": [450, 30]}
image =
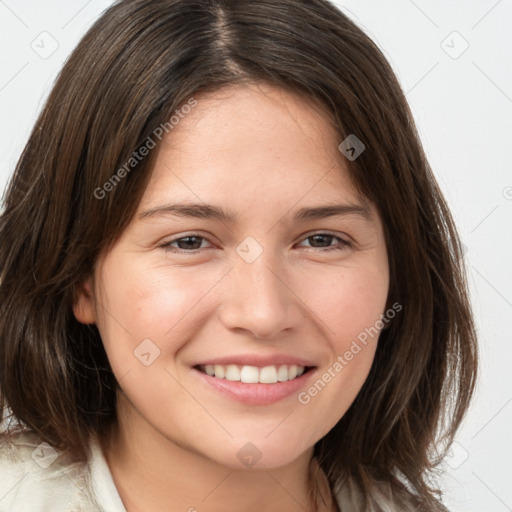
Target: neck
{"type": "Point", "coordinates": [154, 473]}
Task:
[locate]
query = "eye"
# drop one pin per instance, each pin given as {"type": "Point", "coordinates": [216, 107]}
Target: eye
{"type": "Point", "coordinates": [324, 240]}
{"type": "Point", "coordinates": [193, 243]}
{"type": "Point", "coordinates": [189, 243]}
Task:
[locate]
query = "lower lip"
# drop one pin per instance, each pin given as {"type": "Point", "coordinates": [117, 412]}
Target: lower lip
{"type": "Point", "coordinates": [257, 394]}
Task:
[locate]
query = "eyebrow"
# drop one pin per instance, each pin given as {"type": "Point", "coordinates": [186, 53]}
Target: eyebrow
{"type": "Point", "coordinates": [208, 211]}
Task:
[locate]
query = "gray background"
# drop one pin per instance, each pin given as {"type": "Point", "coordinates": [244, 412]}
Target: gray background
{"type": "Point", "coordinates": [453, 59]}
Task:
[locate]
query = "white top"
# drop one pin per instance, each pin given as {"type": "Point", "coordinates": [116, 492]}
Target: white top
{"type": "Point", "coordinates": [36, 478]}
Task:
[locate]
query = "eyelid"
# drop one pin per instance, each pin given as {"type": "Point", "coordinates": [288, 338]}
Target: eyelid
{"type": "Point", "coordinates": [345, 242]}
{"type": "Point", "coordinates": [341, 236]}
{"type": "Point", "coordinates": [167, 243]}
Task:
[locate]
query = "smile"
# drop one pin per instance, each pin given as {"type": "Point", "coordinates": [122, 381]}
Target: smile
{"type": "Point", "coordinates": [255, 385]}
{"type": "Point", "coordinates": [271, 374]}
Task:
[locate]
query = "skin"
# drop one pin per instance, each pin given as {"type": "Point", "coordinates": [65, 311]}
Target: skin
{"type": "Point", "coordinates": [262, 153]}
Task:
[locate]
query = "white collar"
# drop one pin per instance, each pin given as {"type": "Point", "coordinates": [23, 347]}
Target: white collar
{"type": "Point", "coordinates": [102, 482]}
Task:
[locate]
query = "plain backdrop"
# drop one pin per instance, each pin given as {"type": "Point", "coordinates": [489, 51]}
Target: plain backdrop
{"type": "Point", "coordinates": [453, 59]}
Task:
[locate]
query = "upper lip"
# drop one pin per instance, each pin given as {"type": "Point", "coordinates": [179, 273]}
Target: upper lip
{"type": "Point", "coordinates": [258, 360]}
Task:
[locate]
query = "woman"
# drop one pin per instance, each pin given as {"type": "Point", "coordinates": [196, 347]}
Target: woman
{"type": "Point", "coordinates": [173, 333]}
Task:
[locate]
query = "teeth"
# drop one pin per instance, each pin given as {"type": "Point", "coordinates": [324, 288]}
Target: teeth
{"type": "Point", "coordinates": [219, 371]}
{"type": "Point", "coordinates": [253, 374]}
{"type": "Point", "coordinates": [268, 375]}
{"type": "Point", "coordinates": [232, 372]}
{"type": "Point", "coordinates": [249, 374]}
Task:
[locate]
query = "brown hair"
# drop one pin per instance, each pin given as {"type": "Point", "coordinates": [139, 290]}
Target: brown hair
{"type": "Point", "coordinates": [140, 62]}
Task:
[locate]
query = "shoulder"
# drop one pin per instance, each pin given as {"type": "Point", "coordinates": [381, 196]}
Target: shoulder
{"type": "Point", "coordinates": [35, 476]}
{"type": "Point", "coordinates": [382, 498]}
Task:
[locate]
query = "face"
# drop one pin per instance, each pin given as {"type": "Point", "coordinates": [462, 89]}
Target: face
{"type": "Point", "coordinates": [231, 306]}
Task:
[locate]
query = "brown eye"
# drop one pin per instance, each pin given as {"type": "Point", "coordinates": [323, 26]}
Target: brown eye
{"type": "Point", "coordinates": [324, 241]}
{"type": "Point", "coordinates": [189, 243]}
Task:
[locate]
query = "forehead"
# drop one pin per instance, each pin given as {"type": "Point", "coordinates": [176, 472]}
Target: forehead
{"type": "Point", "coordinates": [258, 140]}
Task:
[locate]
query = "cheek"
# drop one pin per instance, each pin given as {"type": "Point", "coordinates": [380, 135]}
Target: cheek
{"type": "Point", "coordinates": [156, 304]}
{"type": "Point", "coordinates": [332, 393]}
{"type": "Point", "coordinates": [348, 301]}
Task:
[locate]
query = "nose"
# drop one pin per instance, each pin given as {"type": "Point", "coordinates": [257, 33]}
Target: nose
{"type": "Point", "coordinates": [259, 299]}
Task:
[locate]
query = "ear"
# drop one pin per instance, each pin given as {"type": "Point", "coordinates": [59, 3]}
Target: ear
{"type": "Point", "coordinates": [83, 306]}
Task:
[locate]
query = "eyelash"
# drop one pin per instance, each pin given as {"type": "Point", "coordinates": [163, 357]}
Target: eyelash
{"type": "Point", "coordinates": [167, 245]}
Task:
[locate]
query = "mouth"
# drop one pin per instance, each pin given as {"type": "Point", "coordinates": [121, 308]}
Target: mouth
{"type": "Point", "coordinates": [248, 374]}
{"type": "Point", "coordinates": [254, 385]}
